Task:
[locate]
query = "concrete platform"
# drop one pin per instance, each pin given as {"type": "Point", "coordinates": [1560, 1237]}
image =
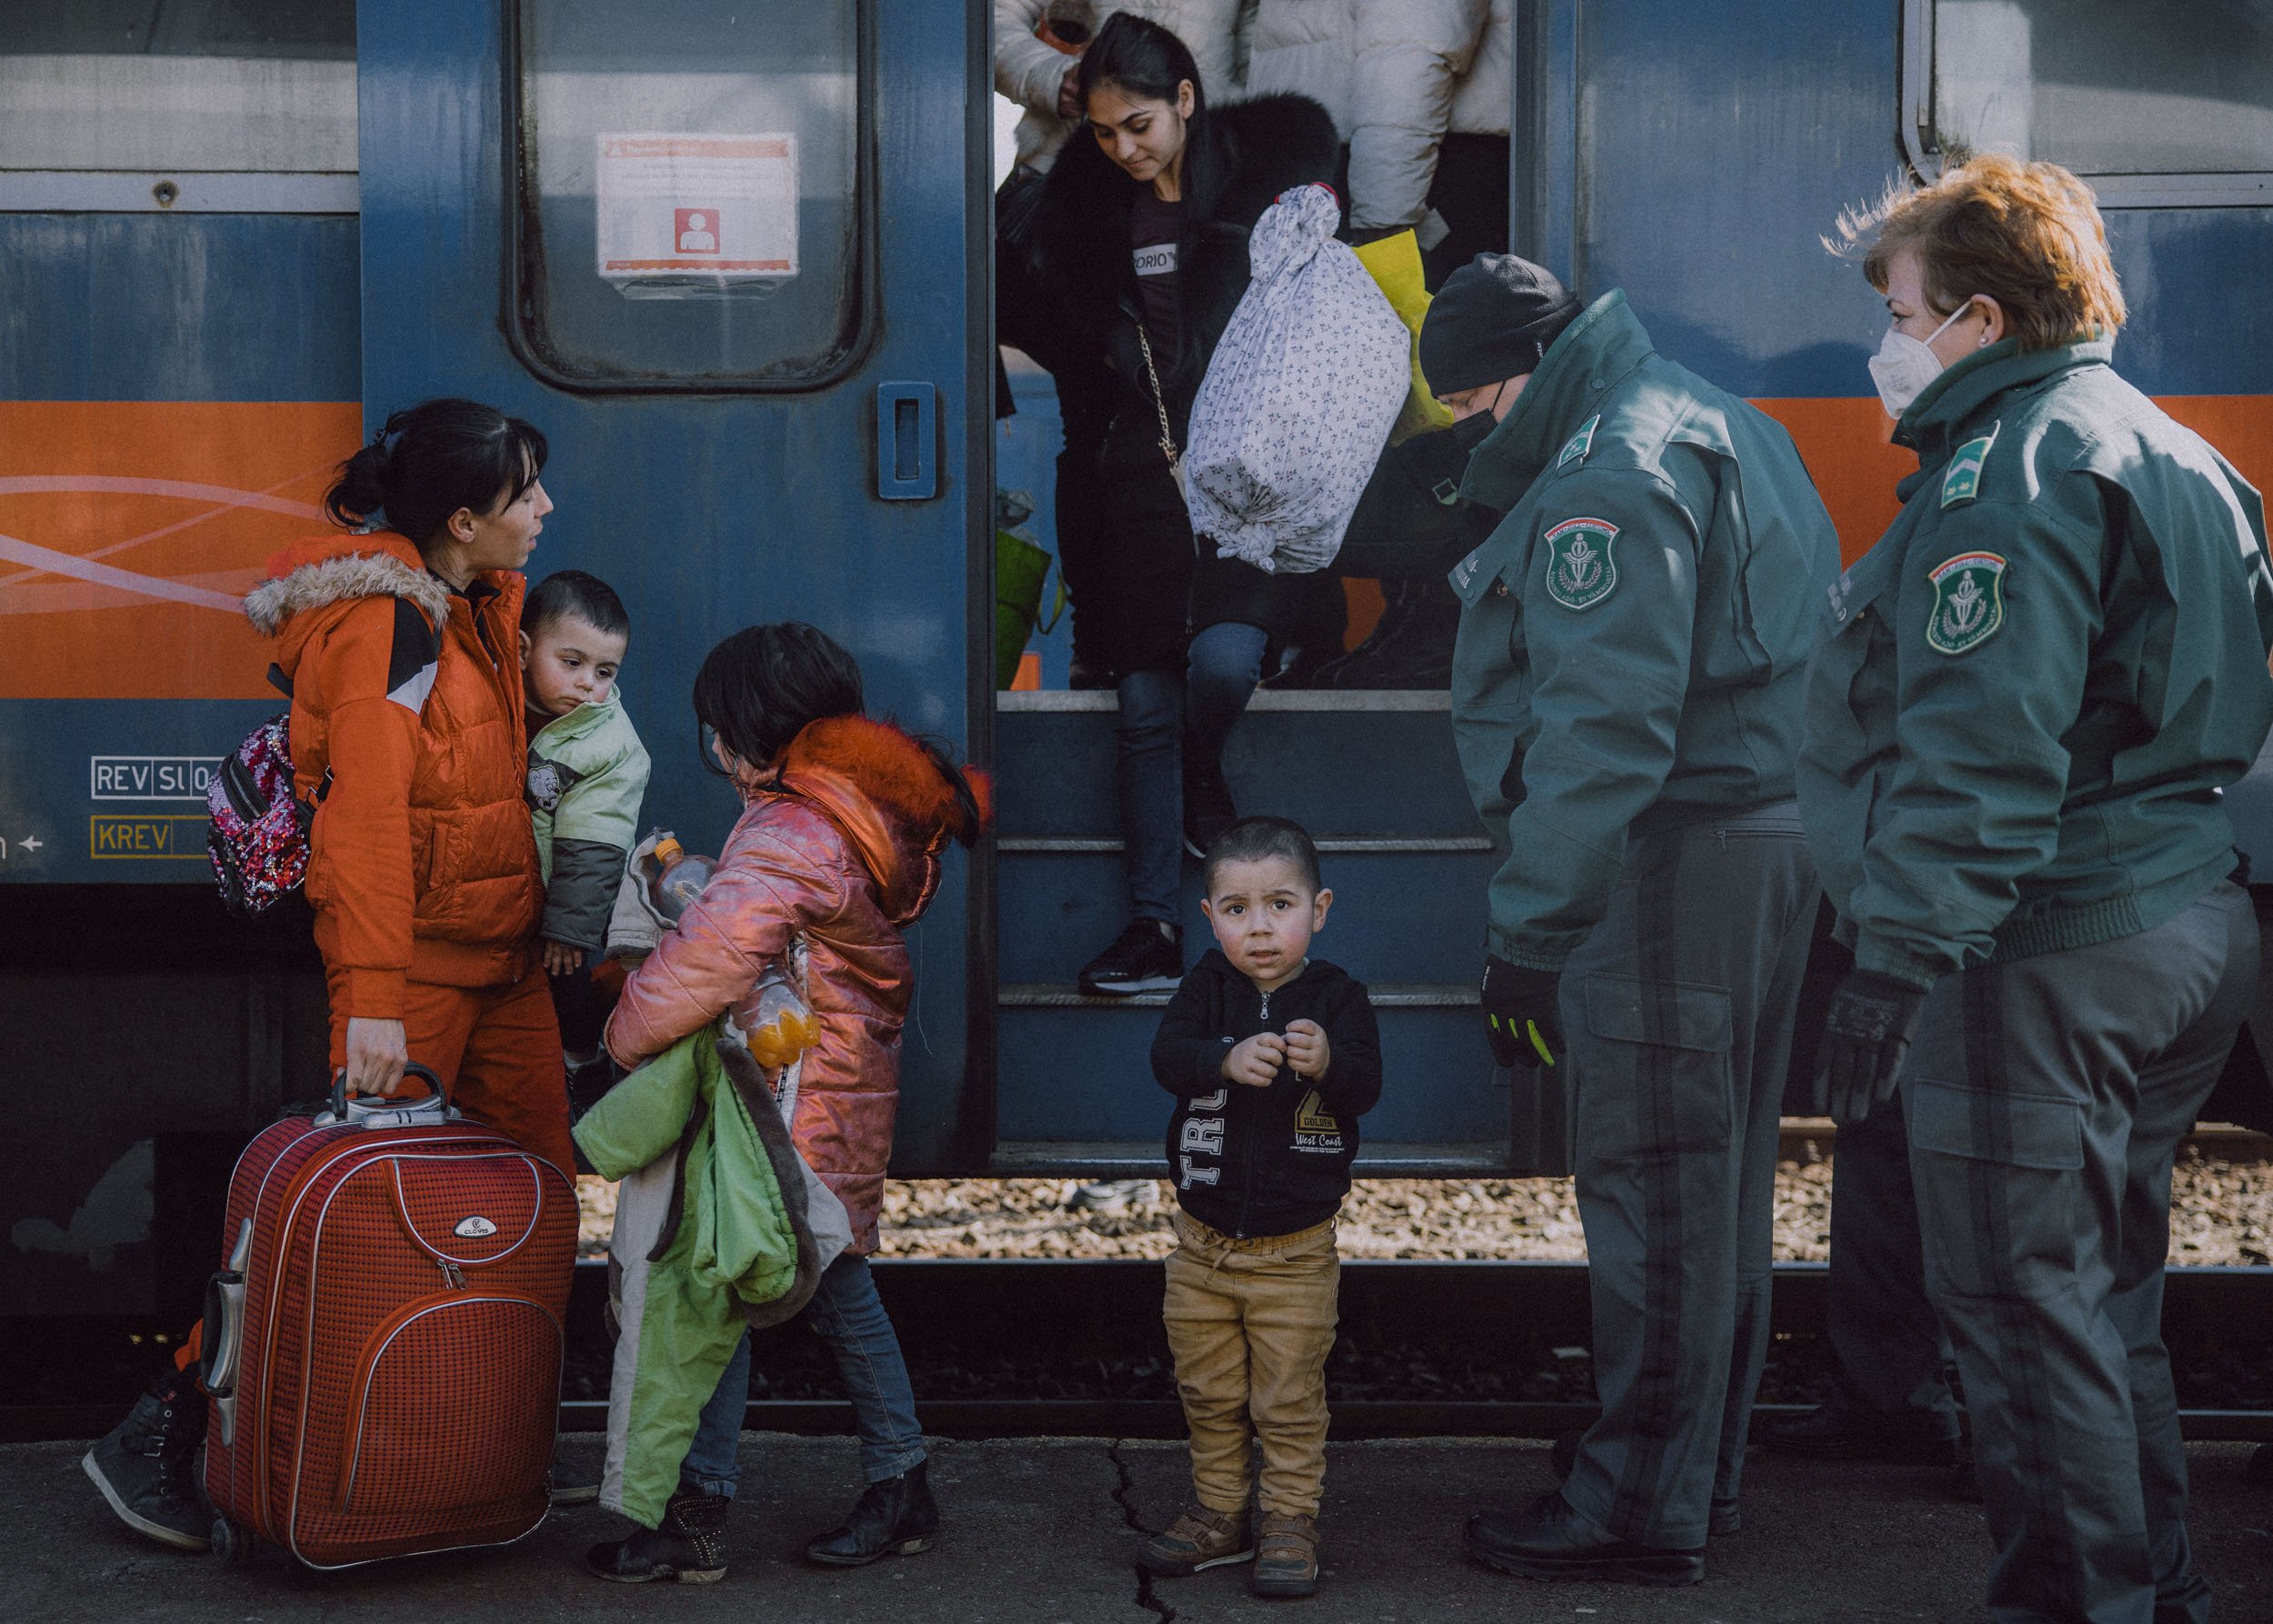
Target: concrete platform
{"type": "Point", "coordinates": [1045, 1530]}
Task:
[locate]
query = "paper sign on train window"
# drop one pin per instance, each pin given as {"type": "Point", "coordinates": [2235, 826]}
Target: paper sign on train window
{"type": "Point", "coordinates": [677, 211]}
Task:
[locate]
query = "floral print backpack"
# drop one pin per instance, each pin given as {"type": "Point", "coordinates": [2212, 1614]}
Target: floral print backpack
{"type": "Point", "coordinates": [258, 835]}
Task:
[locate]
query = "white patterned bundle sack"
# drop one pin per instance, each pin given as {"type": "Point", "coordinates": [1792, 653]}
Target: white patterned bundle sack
{"type": "Point", "coordinates": [1299, 396]}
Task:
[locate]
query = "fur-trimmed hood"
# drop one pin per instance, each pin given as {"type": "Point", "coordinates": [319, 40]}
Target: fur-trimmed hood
{"type": "Point", "coordinates": [323, 570]}
{"type": "Point", "coordinates": [894, 800]}
{"type": "Point", "coordinates": [422, 867]}
{"type": "Point", "coordinates": [1244, 155]}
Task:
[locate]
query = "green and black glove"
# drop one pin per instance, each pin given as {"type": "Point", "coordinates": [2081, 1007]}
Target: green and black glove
{"type": "Point", "coordinates": [1521, 1016]}
{"type": "Point", "coordinates": [1872, 1019]}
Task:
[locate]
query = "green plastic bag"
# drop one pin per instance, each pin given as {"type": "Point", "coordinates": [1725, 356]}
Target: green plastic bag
{"type": "Point", "coordinates": [1021, 571]}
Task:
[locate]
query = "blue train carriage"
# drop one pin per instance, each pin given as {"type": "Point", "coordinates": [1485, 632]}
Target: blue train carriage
{"type": "Point", "coordinates": [733, 259]}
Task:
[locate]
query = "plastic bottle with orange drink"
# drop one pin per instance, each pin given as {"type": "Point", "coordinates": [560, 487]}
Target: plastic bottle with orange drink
{"type": "Point", "coordinates": [784, 1025]}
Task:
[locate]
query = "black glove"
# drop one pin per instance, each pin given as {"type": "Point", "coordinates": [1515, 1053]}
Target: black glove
{"type": "Point", "coordinates": [1868, 1029]}
{"type": "Point", "coordinates": [1521, 1016]}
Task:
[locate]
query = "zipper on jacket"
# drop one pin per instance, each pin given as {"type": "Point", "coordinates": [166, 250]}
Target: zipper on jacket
{"type": "Point", "coordinates": [1247, 1181]}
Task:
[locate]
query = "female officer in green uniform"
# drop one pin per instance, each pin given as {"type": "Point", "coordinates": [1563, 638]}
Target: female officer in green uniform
{"type": "Point", "coordinates": [1626, 698]}
{"type": "Point", "coordinates": [2032, 691]}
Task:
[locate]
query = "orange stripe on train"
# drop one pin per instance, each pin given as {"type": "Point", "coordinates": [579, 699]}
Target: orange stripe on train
{"type": "Point", "coordinates": [126, 528]}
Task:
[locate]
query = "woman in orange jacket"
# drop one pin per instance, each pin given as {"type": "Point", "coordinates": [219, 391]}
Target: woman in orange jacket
{"type": "Point", "coordinates": [409, 739]}
{"type": "Point", "coordinates": [408, 736]}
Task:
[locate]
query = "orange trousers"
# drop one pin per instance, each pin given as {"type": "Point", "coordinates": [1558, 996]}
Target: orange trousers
{"type": "Point", "coordinates": [497, 1052]}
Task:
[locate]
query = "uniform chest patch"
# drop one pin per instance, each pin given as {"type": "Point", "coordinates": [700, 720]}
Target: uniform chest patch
{"type": "Point", "coordinates": [1575, 449]}
{"type": "Point", "coordinates": [1968, 603]}
{"type": "Point", "coordinates": [1580, 571]}
{"type": "Point", "coordinates": [1962, 482]}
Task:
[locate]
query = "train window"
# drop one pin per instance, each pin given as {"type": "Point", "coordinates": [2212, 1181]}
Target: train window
{"type": "Point", "coordinates": [691, 192]}
{"type": "Point", "coordinates": [2156, 105]}
{"type": "Point", "coordinates": [231, 86]}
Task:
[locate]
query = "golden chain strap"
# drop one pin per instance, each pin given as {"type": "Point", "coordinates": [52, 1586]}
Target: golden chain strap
{"type": "Point", "coordinates": [1160, 407]}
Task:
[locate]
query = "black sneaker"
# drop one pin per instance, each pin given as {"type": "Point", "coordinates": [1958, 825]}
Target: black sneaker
{"type": "Point", "coordinates": [146, 1464]}
{"type": "Point", "coordinates": [1147, 956]}
{"type": "Point", "coordinates": [1209, 809]}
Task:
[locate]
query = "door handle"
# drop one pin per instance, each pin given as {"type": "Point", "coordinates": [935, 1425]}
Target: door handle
{"type": "Point", "coordinates": [907, 435]}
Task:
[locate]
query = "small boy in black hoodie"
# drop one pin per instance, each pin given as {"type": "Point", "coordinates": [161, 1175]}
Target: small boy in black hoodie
{"type": "Point", "coordinates": [1273, 1057]}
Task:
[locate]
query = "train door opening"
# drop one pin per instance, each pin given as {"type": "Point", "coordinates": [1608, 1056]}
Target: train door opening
{"type": "Point", "coordinates": [1371, 773]}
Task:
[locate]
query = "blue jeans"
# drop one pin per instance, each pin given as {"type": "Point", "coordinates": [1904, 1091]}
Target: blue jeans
{"type": "Point", "coordinates": [1164, 713]}
{"type": "Point", "coordinates": [850, 1318]}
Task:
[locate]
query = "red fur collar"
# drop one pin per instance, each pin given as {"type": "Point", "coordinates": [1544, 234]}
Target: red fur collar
{"type": "Point", "coordinates": [892, 770]}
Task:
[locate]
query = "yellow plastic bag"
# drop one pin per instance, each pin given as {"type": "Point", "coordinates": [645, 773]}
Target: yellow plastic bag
{"type": "Point", "coordinates": [1394, 264]}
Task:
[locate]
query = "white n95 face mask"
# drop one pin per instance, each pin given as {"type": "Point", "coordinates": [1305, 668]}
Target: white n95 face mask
{"type": "Point", "coordinates": [1904, 366]}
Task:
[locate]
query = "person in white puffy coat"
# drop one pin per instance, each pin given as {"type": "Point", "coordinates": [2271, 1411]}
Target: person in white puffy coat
{"type": "Point", "coordinates": [1420, 91]}
{"type": "Point", "coordinates": [1038, 75]}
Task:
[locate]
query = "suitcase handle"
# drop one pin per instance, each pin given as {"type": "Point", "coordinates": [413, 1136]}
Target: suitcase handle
{"type": "Point", "coordinates": [339, 1089]}
{"type": "Point", "coordinates": [221, 1339]}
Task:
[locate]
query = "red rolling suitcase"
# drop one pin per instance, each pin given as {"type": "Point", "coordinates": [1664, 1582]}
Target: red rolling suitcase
{"type": "Point", "coordinates": [383, 1342]}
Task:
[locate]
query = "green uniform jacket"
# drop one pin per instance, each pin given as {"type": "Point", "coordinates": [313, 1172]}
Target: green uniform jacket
{"type": "Point", "coordinates": [1634, 641]}
{"type": "Point", "coordinates": [2030, 693]}
{"type": "Point", "coordinates": [719, 1226]}
{"type": "Point", "coordinates": [588, 773]}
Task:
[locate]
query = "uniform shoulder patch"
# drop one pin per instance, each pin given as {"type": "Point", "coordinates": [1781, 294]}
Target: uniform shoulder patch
{"type": "Point", "coordinates": [1968, 602]}
{"type": "Point", "coordinates": [1575, 449]}
{"type": "Point", "coordinates": [1962, 482]}
{"type": "Point", "coordinates": [1580, 570]}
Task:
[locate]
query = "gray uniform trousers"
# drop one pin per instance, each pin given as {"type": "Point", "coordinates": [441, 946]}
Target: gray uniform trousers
{"type": "Point", "coordinates": [1892, 1353]}
{"type": "Point", "coordinates": [1678, 1010]}
{"type": "Point", "coordinates": [2047, 1097]}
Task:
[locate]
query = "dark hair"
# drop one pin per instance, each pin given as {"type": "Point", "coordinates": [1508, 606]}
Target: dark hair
{"type": "Point", "coordinates": [430, 460]}
{"type": "Point", "coordinates": [571, 594]}
{"type": "Point", "coordinates": [758, 688]}
{"type": "Point", "coordinates": [1141, 59]}
{"type": "Point", "coordinates": [1252, 839]}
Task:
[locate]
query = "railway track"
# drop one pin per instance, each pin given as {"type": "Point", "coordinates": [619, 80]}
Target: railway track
{"type": "Point", "coordinates": [1038, 1348]}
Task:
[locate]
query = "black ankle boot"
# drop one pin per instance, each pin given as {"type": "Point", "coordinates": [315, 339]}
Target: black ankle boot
{"type": "Point", "coordinates": [894, 1517]}
{"type": "Point", "coordinates": [689, 1546]}
{"type": "Point", "coordinates": [147, 1466]}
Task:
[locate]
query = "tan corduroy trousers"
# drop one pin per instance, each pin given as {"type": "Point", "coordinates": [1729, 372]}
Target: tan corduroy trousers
{"type": "Point", "coordinates": [1250, 1323]}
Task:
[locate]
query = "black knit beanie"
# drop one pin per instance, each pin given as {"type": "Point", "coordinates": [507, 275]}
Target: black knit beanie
{"type": "Point", "coordinates": [1492, 320]}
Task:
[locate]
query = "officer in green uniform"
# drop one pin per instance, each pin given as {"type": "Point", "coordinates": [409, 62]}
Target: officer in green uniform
{"type": "Point", "coordinates": [1627, 696]}
{"type": "Point", "coordinates": [2031, 693]}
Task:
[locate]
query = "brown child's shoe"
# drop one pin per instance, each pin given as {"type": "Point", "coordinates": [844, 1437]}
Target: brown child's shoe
{"type": "Point", "coordinates": [1199, 1538]}
{"type": "Point", "coordinates": [1287, 1556]}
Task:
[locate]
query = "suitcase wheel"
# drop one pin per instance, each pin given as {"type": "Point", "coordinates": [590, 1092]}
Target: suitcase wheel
{"type": "Point", "coordinates": [232, 1543]}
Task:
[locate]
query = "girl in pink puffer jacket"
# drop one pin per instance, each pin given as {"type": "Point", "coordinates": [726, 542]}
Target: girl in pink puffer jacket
{"type": "Point", "coordinates": [838, 847]}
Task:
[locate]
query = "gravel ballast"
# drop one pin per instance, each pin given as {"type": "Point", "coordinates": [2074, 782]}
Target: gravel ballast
{"type": "Point", "coordinates": [2221, 1213]}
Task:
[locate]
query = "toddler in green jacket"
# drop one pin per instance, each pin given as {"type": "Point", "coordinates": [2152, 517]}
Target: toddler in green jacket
{"type": "Point", "coordinates": [587, 773]}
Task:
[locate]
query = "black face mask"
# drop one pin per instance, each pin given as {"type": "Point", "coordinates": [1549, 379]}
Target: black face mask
{"type": "Point", "coordinates": [1473, 430]}
{"type": "Point", "coordinates": [1476, 428]}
